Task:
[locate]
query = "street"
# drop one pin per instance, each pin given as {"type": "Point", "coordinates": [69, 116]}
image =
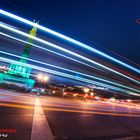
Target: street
{"type": "Point", "coordinates": [69, 70]}
{"type": "Point", "coordinates": [66, 118]}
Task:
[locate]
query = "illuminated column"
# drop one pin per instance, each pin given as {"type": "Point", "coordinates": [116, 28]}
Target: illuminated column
{"type": "Point", "coordinates": [26, 51]}
{"type": "Point", "coordinates": [22, 70]}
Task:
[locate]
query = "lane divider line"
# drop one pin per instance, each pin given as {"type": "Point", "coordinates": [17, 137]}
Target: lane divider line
{"type": "Point", "coordinates": [40, 126]}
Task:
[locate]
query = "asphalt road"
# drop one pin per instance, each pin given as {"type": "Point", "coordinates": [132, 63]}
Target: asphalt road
{"type": "Point", "coordinates": [68, 119]}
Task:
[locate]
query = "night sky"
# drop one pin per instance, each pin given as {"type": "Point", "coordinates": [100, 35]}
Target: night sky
{"type": "Point", "coordinates": [106, 24]}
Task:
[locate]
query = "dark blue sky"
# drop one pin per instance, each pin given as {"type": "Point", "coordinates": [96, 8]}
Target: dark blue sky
{"type": "Point", "coordinates": [107, 24]}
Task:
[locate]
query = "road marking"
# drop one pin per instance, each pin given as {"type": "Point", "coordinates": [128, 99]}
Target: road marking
{"type": "Point", "coordinates": [40, 127]}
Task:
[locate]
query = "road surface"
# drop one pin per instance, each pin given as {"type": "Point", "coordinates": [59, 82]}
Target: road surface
{"type": "Point", "coordinates": [30, 117]}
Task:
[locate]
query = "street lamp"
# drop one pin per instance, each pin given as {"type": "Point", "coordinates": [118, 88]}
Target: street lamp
{"type": "Point", "coordinates": [39, 77]}
{"type": "Point", "coordinates": [42, 77]}
{"type": "Point", "coordinates": [46, 78]}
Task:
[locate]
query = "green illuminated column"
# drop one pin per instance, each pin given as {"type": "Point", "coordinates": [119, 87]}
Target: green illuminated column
{"type": "Point", "coordinates": [22, 70]}
{"type": "Point", "coordinates": [26, 51]}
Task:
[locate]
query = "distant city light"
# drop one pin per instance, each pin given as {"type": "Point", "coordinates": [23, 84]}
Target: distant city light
{"type": "Point", "coordinates": [129, 100]}
{"type": "Point", "coordinates": [91, 93]}
{"type": "Point", "coordinates": [112, 99]}
{"type": "Point", "coordinates": [86, 90]}
{"type": "Point", "coordinates": [53, 91]}
{"type": "Point", "coordinates": [85, 96]}
{"type": "Point", "coordinates": [97, 97]}
{"type": "Point", "coordinates": [74, 95]}
{"type": "Point", "coordinates": [42, 90]}
{"type": "Point", "coordinates": [64, 93]}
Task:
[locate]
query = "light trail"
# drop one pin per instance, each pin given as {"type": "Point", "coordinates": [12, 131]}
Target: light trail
{"type": "Point", "coordinates": [54, 52]}
{"type": "Point", "coordinates": [52, 32]}
{"type": "Point", "coordinates": [67, 51]}
{"type": "Point", "coordinates": [69, 76]}
{"type": "Point", "coordinates": [45, 49]}
{"type": "Point", "coordinates": [70, 110]}
{"type": "Point", "coordinates": [18, 100]}
{"type": "Point", "coordinates": [68, 70]}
